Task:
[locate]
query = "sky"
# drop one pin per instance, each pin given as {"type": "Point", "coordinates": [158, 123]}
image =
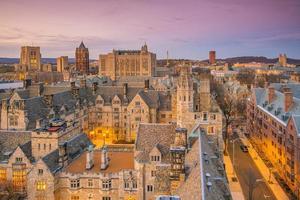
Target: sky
{"type": "Point", "coordinates": [184, 28]}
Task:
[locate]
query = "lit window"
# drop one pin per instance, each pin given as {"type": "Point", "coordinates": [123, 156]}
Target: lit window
{"type": "Point", "coordinates": [41, 185]}
{"type": "Point", "coordinates": [19, 179]}
{"type": "Point", "coordinates": [2, 175]}
{"type": "Point", "coordinates": [74, 197]}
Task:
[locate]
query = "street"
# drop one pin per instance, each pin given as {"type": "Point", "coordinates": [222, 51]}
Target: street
{"type": "Point", "coordinates": [248, 174]}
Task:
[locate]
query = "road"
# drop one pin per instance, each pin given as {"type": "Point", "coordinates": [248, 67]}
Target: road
{"type": "Point", "coordinates": [247, 171]}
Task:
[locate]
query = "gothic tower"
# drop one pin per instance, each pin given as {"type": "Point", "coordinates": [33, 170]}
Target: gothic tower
{"type": "Point", "coordinates": [185, 97]}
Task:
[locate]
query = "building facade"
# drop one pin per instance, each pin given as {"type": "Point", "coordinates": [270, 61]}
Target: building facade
{"type": "Point", "coordinates": [212, 57]}
{"type": "Point", "coordinates": [62, 63]}
{"type": "Point", "coordinates": [30, 59]}
{"type": "Point", "coordinates": [273, 118]}
{"type": "Point", "coordinates": [82, 59]}
{"type": "Point", "coordinates": [123, 63]}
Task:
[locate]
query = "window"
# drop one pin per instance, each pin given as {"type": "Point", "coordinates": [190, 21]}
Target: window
{"type": "Point", "coordinates": [134, 184]}
{"type": "Point", "coordinates": [50, 147]}
{"type": "Point", "coordinates": [13, 120]}
{"type": "Point", "coordinates": [137, 119]}
{"type": "Point", "coordinates": [39, 146]}
{"type": "Point", "coordinates": [40, 172]}
{"type": "Point", "coordinates": [155, 158]}
{"type": "Point", "coordinates": [106, 198]}
{"type": "Point", "coordinates": [204, 116]}
{"type": "Point", "coordinates": [74, 197]}
{"type": "Point", "coordinates": [126, 185]}
{"type": "Point", "coordinates": [90, 183]}
{"type": "Point", "coordinates": [163, 115]}
{"type": "Point", "coordinates": [116, 109]}
{"type": "Point", "coordinates": [149, 188]}
{"type": "Point", "coordinates": [19, 179]}
{"type": "Point", "coordinates": [211, 129]}
{"type": "Point", "coordinates": [75, 183]}
{"type": "Point", "coordinates": [137, 103]}
{"type": "Point", "coordinates": [41, 185]}
{"type": "Point", "coordinates": [19, 159]}
{"type": "Point", "coordinates": [153, 173]}
{"type": "Point", "coordinates": [106, 184]}
{"type": "Point", "coordinates": [2, 175]}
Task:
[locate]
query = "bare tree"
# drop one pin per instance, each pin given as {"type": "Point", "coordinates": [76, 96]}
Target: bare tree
{"type": "Point", "coordinates": [227, 104]}
{"type": "Point", "coordinates": [7, 192]}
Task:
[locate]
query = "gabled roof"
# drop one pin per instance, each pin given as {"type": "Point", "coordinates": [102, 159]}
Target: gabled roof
{"type": "Point", "coordinates": [150, 135]}
{"type": "Point", "coordinates": [10, 140]}
{"type": "Point", "coordinates": [75, 147]}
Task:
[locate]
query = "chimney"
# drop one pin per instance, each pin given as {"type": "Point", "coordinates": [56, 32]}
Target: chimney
{"type": "Point", "coordinates": [83, 83]}
{"type": "Point", "coordinates": [49, 100]}
{"type": "Point", "coordinates": [90, 157]}
{"type": "Point", "coordinates": [288, 99]}
{"type": "Point", "coordinates": [125, 89]}
{"type": "Point", "coordinates": [95, 87]}
{"type": "Point", "coordinates": [62, 153]}
{"type": "Point", "coordinates": [104, 158]}
{"type": "Point", "coordinates": [147, 84]}
{"type": "Point", "coordinates": [27, 83]}
{"type": "Point", "coordinates": [41, 89]}
{"type": "Point", "coordinates": [271, 94]}
{"type": "Point", "coordinates": [73, 84]}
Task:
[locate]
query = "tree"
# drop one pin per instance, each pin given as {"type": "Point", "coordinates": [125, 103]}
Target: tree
{"type": "Point", "coordinates": [227, 104]}
{"type": "Point", "coordinates": [246, 76]}
{"type": "Point", "coordinates": [7, 192]}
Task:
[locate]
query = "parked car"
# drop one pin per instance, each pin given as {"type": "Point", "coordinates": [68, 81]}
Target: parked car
{"type": "Point", "coordinates": [244, 148]}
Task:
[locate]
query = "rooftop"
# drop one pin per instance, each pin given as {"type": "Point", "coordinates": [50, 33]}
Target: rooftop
{"type": "Point", "coordinates": [117, 162]}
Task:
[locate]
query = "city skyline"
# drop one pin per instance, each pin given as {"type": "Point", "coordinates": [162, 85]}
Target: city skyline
{"type": "Point", "coordinates": [232, 28]}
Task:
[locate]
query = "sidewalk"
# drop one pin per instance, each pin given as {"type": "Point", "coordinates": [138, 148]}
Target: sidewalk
{"type": "Point", "coordinates": [234, 186]}
{"type": "Point", "coordinates": [264, 170]}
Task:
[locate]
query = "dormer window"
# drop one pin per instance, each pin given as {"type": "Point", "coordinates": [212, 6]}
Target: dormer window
{"type": "Point", "coordinates": [155, 158]}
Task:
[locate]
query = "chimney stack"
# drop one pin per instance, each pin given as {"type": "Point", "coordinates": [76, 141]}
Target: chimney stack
{"type": "Point", "coordinates": [104, 158]}
{"type": "Point", "coordinates": [83, 83]}
{"type": "Point", "coordinates": [27, 83]}
{"type": "Point", "coordinates": [95, 87]}
{"type": "Point", "coordinates": [271, 94]}
{"type": "Point", "coordinates": [63, 156]}
{"type": "Point", "coordinates": [125, 89]}
{"type": "Point", "coordinates": [147, 84]}
{"type": "Point", "coordinates": [288, 99]}
{"type": "Point", "coordinates": [90, 157]}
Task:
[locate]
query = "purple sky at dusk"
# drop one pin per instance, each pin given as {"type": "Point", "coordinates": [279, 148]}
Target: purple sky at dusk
{"type": "Point", "coordinates": [187, 28]}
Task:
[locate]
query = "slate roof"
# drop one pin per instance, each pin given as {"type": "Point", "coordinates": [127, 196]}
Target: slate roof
{"type": "Point", "coordinates": [10, 140]}
{"type": "Point", "coordinates": [75, 147]}
{"type": "Point", "coordinates": [295, 88]}
{"type": "Point", "coordinates": [192, 183]}
{"type": "Point", "coordinates": [154, 135]}
{"type": "Point", "coordinates": [261, 95]}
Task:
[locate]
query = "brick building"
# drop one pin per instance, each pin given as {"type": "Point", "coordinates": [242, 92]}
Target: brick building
{"type": "Point", "coordinates": [273, 119]}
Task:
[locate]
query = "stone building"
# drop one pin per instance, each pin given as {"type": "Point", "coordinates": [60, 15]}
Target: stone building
{"type": "Point", "coordinates": [30, 59]}
{"type": "Point", "coordinates": [62, 63]}
{"type": "Point", "coordinates": [273, 124]}
{"type": "Point", "coordinates": [82, 59]}
{"type": "Point", "coordinates": [123, 63]}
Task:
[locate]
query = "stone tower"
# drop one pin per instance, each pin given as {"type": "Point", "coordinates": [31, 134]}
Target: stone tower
{"type": "Point", "coordinates": [185, 97]}
{"type": "Point", "coordinates": [82, 59]}
{"type": "Point", "coordinates": [204, 93]}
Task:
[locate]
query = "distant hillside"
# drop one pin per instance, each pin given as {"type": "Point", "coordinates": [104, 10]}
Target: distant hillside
{"type": "Point", "coordinates": [246, 59]}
